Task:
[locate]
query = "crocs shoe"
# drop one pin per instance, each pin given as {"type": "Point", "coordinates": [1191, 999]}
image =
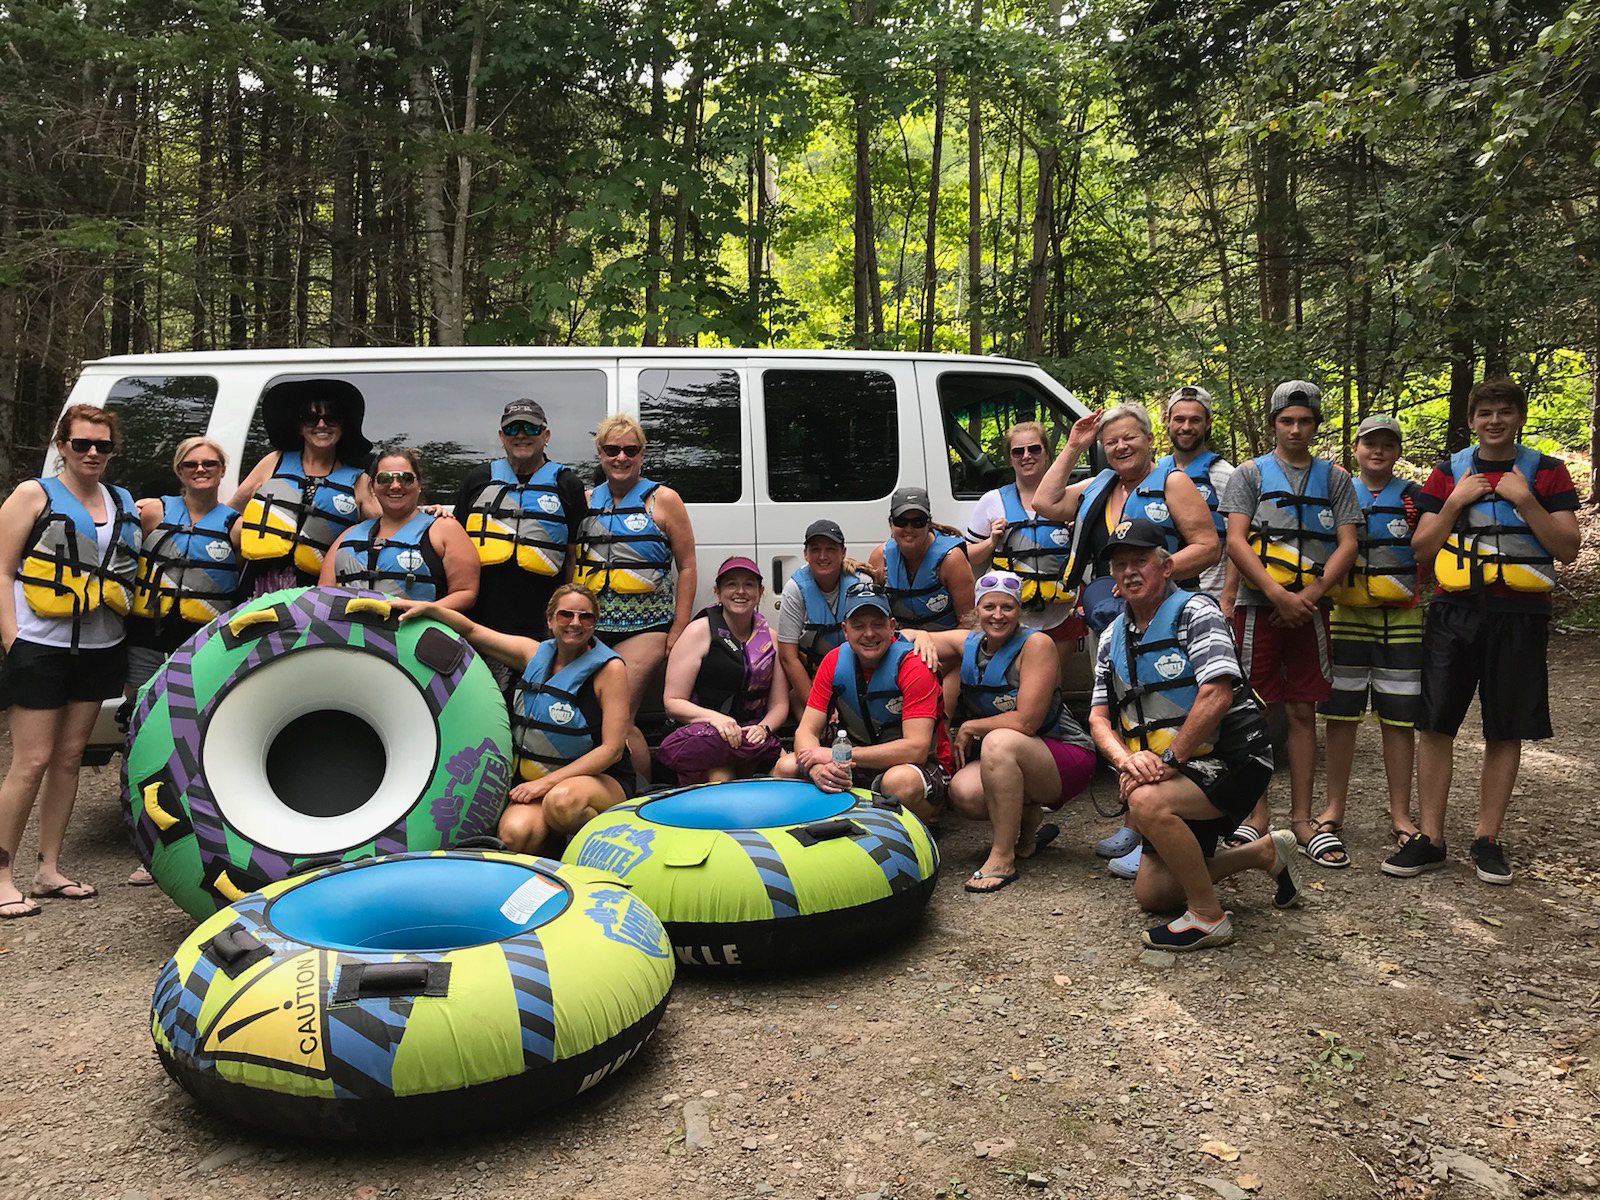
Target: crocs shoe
{"type": "Point", "coordinates": [1118, 844]}
{"type": "Point", "coordinates": [1127, 866]}
{"type": "Point", "coordinates": [1188, 932]}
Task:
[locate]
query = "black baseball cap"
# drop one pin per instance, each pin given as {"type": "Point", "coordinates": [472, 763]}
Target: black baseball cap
{"type": "Point", "coordinates": [1138, 532]}
{"type": "Point", "coordinates": [824, 528]}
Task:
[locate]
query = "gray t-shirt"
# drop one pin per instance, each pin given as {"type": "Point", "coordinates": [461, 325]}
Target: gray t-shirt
{"type": "Point", "coordinates": [792, 610]}
{"type": "Point", "coordinates": [1244, 493]}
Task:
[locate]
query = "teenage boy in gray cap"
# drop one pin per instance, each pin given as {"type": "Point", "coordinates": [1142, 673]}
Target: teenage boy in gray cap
{"type": "Point", "coordinates": [1377, 630]}
{"type": "Point", "coordinates": [522, 513]}
{"type": "Point", "coordinates": [1292, 520]}
{"type": "Point", "coordinates": [809, 617]}
{"type": "Point", "coordinates": [1188, 422]}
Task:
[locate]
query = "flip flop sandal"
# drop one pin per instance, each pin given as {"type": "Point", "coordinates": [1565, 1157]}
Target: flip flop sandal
{"type": "Point", "coordinates": [1321, 848]}
{"type": "Point", "coordinates": [1042, 837]}
{"type": "Point", "coordinates": [1006, 880]}
{"type": "Point", "coordinates": [61, 891]}
{"type": "Point", "coordinates": [1243, 836]}
{"type": "Point", "coordinates": [1283, 847]}
{"type": "Point", "coordinates": [7, 915]}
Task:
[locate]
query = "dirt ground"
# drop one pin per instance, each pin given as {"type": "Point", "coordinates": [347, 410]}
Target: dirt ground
{"type": "Point", "coordinates": [1428, 1037]}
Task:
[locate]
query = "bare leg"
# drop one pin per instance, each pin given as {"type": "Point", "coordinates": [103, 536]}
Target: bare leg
{"type": "Point", "coordinates": [1341, 754]}
{"type": "Point", "coordinates": [33, 739]}
{"type": "Point", "coordinates": [1501, 762]}
{"type": "Point", "coordinates": [60, 791]}
{"type": "Point", "coordinates": [1302, 718]}
{"type": "Point", "coordinates": [524, 828]}
{"type": "Point", "coordinates": [1158, 890]}
{"type": "Point", "coordinates": [904, 783]}
{"type": "Point", "coordinates": [1158, 811]}
{"type": "Point", "coordinates": [573, 803]}
{"type": "Point", "coordinates": [644, 654]}
{"type": "Point", "coordinates": [1399, 764]}
{"type": "Point", "coordinates": [1435, 763]}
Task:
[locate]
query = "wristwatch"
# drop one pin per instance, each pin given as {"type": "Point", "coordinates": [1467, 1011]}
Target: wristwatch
{"type": "Point", "coordinates": [1171, 759]}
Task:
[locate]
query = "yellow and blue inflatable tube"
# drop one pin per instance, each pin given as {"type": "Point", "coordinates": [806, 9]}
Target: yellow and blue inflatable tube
{"type": "Point", "coordinates": [412, 995]}
{"type": "Point", "coordinates": [765, 873]}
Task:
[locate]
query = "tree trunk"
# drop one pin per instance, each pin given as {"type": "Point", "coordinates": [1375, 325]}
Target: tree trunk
{"type": "Point", "coordinates": [930, 243]}
{"type": "Point", "coordinates": [200, 333]}
{"type": "Point", "coordinates": [975, 199]}
{"type": "Point", "coordinates": [1044, 219]}
{"type": "Point", "coordinates": [238, 228]}
{"type": "Point", "coordinates": [1463, 358]}
{"type": "Point", "coordinates": [342, 221]}
{"type": "Point", "coordinates": [867, 304]}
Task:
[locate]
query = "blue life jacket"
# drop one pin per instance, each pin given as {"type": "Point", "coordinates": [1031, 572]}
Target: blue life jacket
{"type": "Point", "coordinates": [1199, 470]}
{"type": "Point", "coordinates": [63, 572]}
{"type": "Point", "coordinates": [190, 565]}
{"type": "Point", "coordinates": [279, 521]}
{"type": "Point", "coordinates": [1490, 542]}
{"type": "Point", "coordinates": [1152, 691]}
{"type": "Point", "coordinates": [876, 716]}
{"type": "Point", "coordinates": [521, 523]}
{"type": "Point", "coordinates": [1293, 532]}
{"type": "Point", "coordinates": [1036, 550]}
{"type": "Point", "coordinates": [1385, 570]}
{"type": "Point", "coordinates": [921, 602]}
{"type": "Point", "coordinates": [1148, 499]}
{"type": "Point", "coordinates": [555, 719]}
{"type": "Point", "coordinates": [405, 564]}
{"type": "Point", "coordinates": [824, 626]}
{"type": "Point", "coordinates": [991, 689]}
{"type": "Point", "coordinates": [622, 549]}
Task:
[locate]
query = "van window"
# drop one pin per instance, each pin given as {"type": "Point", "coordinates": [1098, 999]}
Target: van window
{"type": "Point", "coordinates": [453, 417]}
{"type": "Point", "coordinates": [154, 414]}
{"type": "Point", "coordinates": [978, 408]}
{"type": "Point", "coordinates": [691, 417]}
{"type": "Point", "coordinates": [831, 435]}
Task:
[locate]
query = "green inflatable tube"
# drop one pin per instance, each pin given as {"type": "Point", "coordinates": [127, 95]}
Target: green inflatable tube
{"type": "Point", "coordinates": [763, 873]}
{"type": "Point", "coordinates": [412, 996]}
{"type": "Point", "coordinates": [310, 724]}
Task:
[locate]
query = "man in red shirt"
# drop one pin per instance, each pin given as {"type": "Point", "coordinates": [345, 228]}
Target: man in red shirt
{"type": "Point", "coordinates": [1496, 517]}
{"type": "Point", "coordinates": [888, 702]}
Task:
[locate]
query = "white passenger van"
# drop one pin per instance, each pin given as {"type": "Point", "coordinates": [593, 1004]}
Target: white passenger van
{"type": "Point", "coordinates": [759, 443]}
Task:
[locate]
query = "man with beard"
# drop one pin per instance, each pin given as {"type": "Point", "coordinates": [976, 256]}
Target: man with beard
{"type": "Point", "coordinates": [1188, 421]}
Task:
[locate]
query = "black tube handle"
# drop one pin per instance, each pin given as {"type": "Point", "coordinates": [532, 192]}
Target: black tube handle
{"type": "Point", "coordinates": [822, 831]}
{"type": "Point", "coordinates": [365, 980]}
{"type": "Point", "coordinates": [234, 949]}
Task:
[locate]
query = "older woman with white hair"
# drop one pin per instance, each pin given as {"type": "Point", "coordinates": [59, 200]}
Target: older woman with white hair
{"type": "Point", "coordinates": [1130, 486]}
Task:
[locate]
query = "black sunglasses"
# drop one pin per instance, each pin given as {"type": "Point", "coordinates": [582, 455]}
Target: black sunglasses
{"type": "Point", "coordinates": [84, 445]}
{"type": "Point", "coordinates": [910, 521]}
{"type": "Point", "coordinates": [866, 588]}
{"type": "Point", "coordinates": [521, 429]}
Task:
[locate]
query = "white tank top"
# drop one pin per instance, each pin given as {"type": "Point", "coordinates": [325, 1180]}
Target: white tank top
{"type": "Point", "coordinates": [100, 629]}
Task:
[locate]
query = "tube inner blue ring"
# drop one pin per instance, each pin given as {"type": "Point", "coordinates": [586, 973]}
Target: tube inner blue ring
{"type": "Point", "coordinates": [746, 804]}
{"type": "Point", "coordinates": [419, 905]}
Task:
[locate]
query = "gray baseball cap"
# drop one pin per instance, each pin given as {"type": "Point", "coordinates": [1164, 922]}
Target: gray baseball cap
{"type": "Point", "coordinates": [1380, 423]}
{"type": "Point", "coordinates": [910, 499]}
{"type": "Point", "coordinates": [1295, 393]}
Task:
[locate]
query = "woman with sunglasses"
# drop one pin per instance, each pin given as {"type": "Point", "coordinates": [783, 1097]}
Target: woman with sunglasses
{"type": "Point", "coordinates": [1006, 532]}
{"type": "Point", "coordinates": [189, 567]}
{"type": "Point", "coordinates": [69, 549]}
{"type": "Point", "coordinates": [405, 551]}
{"type": "Point", "coordinates": [300, 497]}
{"type": "Point", "coordinates": [1018, 752]}
{"type": "Point", "coordinates": [636, 532]}
{"type": "Point", "coordinates": [724, 687]}
{"type": "Point", "coordinates": [569, 719]}
{"type": "Point", "coordinates": [929, 584]}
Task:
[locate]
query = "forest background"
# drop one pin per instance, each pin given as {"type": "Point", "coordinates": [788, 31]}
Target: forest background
{"type": "Point", "coordinates": [1393, 199]}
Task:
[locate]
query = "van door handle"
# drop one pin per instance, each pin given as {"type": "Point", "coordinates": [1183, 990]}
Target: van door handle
{"type": "Point", "coordinates": [777, 578]}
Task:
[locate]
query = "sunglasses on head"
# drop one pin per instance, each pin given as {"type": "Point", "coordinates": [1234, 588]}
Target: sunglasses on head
{"type": "Point", "coordinates": [1033, 449]}
{"type": "Point", "coordinates": [84, 445]}
{"type": "Point", "coordinates": [385, 478]}
{"type": "Point", "coordinates": [522, 429]}
{"type": "Point", "coordinates": [200, 464]}
{"type": "Point", "coordinates": [1008, 582]}
{"type": "Point", "coordinates": [612, 450]}
{"type": "Point", "coordinates": [866, 588]}
{"type": "Point", "coordinates": [572, 614]}
{"type": "Point", "coordinates": [311, 419]}
{"type": "Point", "coordinates": [910, 521]}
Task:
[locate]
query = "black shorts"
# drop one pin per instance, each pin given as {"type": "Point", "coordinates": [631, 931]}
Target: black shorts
{"type": "Point", "coordinates": [935, 781]}
{"type": "Point", "coordinates": [614, 640]}
{"type": "Point", "coordinates": [1233, 785]}
{"type": "Point", "coordinates": [45, 677]}
{"type": "Point", "coordinates": [1502, 656]}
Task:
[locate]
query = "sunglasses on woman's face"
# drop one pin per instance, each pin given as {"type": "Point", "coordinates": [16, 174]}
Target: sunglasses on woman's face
{"type": "Point", "coordinates": [385, 478]}
{"type": "Point", "coordinates": [84, 445]}
{"type": "Point", "coordinates": [312, 419]}
{"type": "Point", "coordinates": [612, 450]}
{"type": "Point", "coordinates": [1033, 450]}
{"type": "Point", "coordinates": [570, 615]}
{"type": "Point", "coordinates": [192, 465]}
{"type": "Point", "coordinates": [910, 521]}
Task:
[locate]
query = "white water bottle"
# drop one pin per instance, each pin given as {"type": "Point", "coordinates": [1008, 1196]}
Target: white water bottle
{"type": "Point", "coordinates": [842, 751]}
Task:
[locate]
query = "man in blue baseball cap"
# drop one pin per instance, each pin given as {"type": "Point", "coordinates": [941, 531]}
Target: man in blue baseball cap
{"type": "Point", "coordinates": [887, 702]}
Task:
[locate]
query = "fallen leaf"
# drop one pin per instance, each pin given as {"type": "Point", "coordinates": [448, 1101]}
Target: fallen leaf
{"type": "Point", "coordinates": [1317, 887]}
{"type": "Point", "coordinates": [1495, 921]}
{"type": "Point", "coordinates": [1249, 1182]}
{"type": "Point", "coordinates": [1063, 981]}
{"type": "Point", "coordinates": [1221, 1151]}
{"type": "Point", "coordinates": [79, 1068]}
{"type": "Point", "coordinates": [1016, 1075]}
{"type": "Point", "coordinates": [1562, 1065]}
{"type": "Point", "coordinates": [1477, 1078]}
{"type": "Point", "coordinates": [1389, 968]}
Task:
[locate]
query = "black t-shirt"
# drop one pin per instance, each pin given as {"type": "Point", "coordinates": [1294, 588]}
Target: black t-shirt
{"type": "Point", "coordinates": [510, 599]}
